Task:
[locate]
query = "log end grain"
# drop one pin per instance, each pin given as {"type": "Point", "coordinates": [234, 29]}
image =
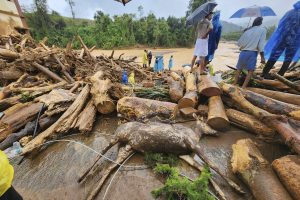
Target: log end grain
{"type": "Point", "coordinates": [218, 123]}
{"type": "Point", "coordinates": [209, 92]}
{"type": "Point", "coordinates": [106, 107]}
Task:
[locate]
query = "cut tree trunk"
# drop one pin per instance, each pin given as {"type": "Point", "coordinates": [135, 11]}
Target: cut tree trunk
{"type": "Point", "coordinates": [9, 102]}
{"type": "Point", "coordinates": [276, 84]}
{"type": "Point", "coordinates": [140, 109]}
{"type": "Point", "coordinates": [280, 96]}
{"type": "Point", "coordinates": [8, 54]}
{"type": "Point", "coordinates": [63, 124]}
{"type": "Point", "coordinates": [208, 87]}
{"type": "Point", "coordinates": [39, 89]}
{"type": "Point", "coordinates": [10, 75]}
{"type": "Point", "coordinates": [99, 91]}
{"type": "Point", "coordinates": [48, 72]}
{"type": "Point", "coordinates": [27, 130]}
{"type": "Point", "coordinates": [190, 99]}
{"type": "Point", "coordinates": [251, 124]}
{"type": "Point", "coordinates": [204, 128]}
{"type": "Point", "coordinates": [190, 82]}
{"type": "Point", "coordinates": [271, 105]}
{"type": "Point", "coordinates": [87, 118]}
{"type": "Point", "coordinates": [175, 90]}
{"type": "Point", "coordinates": [217, 118]}
{"type": "Point", "coordinates": [256, 172]}
{"type": "Point", "coordinates": [17, 117]}
{"type": "Point", "coordinates": [288, 171]}
{"type": "Point", "coordinates": [290, 136]}
{"type": "Point", "coordinates": [287, 82]}
{"type": "Point", "coordinates": [175, 76]}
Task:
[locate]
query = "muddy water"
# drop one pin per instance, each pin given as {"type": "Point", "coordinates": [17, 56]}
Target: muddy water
{"type": "Point", "coordinates": [52, 174]}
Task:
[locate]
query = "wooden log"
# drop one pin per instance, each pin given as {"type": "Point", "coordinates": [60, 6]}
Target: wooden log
{"type": "Point", "coordinates": [63, 68]}
{"type": "Point", "coordinates": [175, 76]}
{"type": "Point", "coordinates": [48, 72]}
{"type": "Point", "coordinates": [175, 90]}
{"type": "Point", "coordinates": [9, 102]}
{"type": "Point", "coordinates": [17, 117]}
{"type": "Point", "coordinates": [287, 82]}
{"type": "Point", "coordinates": [256, 172]}
{"type": "Point", "coordinates": [27, 130]}
{"type": "Point", "coordinates": [204, 128]}
{"type": "Point", "coordinates": [39, 89]}
{"type": "Point", "coordinates": [63, 124]}
{"type": "Point", "coordinates": [99, 90]}
{"type": "Point", "coordinates": [190, 99]}
{"type": "Point", "coordinates": [287, 132]}
{"type": "Point", "coordinates": [81, 53]}
{"type": "Point", "coordinates": [217, 118]}
{"type": "Point", "coordinates": [190, 82]}
{"type": "Point", "coordinates": [288, 171]}
{"type": "Point", "coordinates": [87, 118]}
{"type": "Point", "coordinates": [276, 84]}
{"type": "Point", "coordinates": [251, 124]}
{"type": "Point", "coordinates": [280, 96]}
{"type": "Point", "coordinates": [271, 105]}
{"type": "Point", "coordinates": [10, 75]}
{"type": "Point", "coordinates": [85, 48]}
{"type": "Point", "coordinates": [208, 87]}
{"type": "Point", "coordinates": [139, 109]}
{"type": "Point", "coordinates": [8, 54]}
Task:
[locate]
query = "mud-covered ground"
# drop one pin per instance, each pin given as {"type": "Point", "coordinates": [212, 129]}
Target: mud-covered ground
{"type": "Point", "coordinates": [53, 173]}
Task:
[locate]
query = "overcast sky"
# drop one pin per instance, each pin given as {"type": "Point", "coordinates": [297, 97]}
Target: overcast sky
{"type": "Point", "coordinates": [161, 8]}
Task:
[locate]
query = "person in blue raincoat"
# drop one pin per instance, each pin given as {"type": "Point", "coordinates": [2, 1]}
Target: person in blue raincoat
{"type": "Point", "coordinates": [214, 36]}
{"type": "Point", "coordinates": [171, 63]}
{"type": "Point", "coordinates": [284, 41]}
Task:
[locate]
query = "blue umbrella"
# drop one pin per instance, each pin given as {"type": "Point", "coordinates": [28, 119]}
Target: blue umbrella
{"type": "Point", "coordinates": [254, 11]}
{"type": "Point", "coordinates": [200, 13]}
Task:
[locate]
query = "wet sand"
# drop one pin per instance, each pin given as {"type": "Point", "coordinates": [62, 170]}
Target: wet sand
{"type": "Point", "coordinates": [53, 173]}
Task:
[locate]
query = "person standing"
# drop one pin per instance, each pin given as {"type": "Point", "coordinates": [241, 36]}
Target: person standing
{"type": "Point", "coordinates": [149, 58]}
{"type": "Point", "coordinates": [145, 59]}
{"type": "Point", "coordinates": [7, 191]}
{"type": "Point", "coordinates": [204, 27]}
{"type": "Point", "coordinates": [285, 39]}
{"type": "Point", "coordinates": [171, 63]}
{"type": "Point", "coordinates": [251, 43]}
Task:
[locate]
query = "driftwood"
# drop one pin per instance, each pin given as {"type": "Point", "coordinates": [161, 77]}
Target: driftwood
{"type": "Point", "coordinates": [175, 90]}
{"type": "Point", "coordinates": [38, 89]}
{"type": "Point", "coordinates": [283, 127]}
{"type": "Point", "coordinates": [16, 117]}
{"type": "Point", "coordinates": [256, 172]}
{"type": "Point", "coordinates": [274, 84]}
{"type": "Point", "coordinates": [217, 118]}
{"type": "Point", "coordinates": [280, 96]}
{"type": "Point", "coordinates": [271, 105]}
{"type": "Point", "coordinates": [8, 54]}
{"type": "Point", "coordinates": [208, 87]}
{"type": "Point", "coordinates": [10, 75]}
{"type": "Point", "coordinates": [204, 128]}
{"type": "Point", "coordinates": [287, 82]}
{"type": "Point", "coordinates": [63, 124]}
{"type": "Point", "coordinates": [48, 72]}
{"type": "Point", "coordinates": [87, 118]}
{"type": "Point", "coordinates": [251, 124]}
{"type": "Point", "coordinates": [156, 137]}
{"type": "Point", "coordinates": [139, 109]}
{"type": "Point", "coordinates": [288, 171]}
{"type": "Point", "coordinates": [27, 130]}
{"type": "Point", "coordinates": [100, 87]}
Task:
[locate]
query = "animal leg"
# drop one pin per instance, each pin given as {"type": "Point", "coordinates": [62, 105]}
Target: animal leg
{"type": "Point", "coordinates": [123, 154]}
{"type": "Point", "coordinates": [112, 143]}
{"type": "Point", "coordinates": [189, 160]}
{"type": "Point", "coordinates": [198, 150]}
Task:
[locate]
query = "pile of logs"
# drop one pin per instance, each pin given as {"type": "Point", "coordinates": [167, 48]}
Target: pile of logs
{"type": "Point", "coordinates": [48, 91]}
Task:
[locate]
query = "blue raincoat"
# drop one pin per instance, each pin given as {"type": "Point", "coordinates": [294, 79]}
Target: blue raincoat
{"type": "Point", "coordinates": [214, 36]}
{"type": "Point", "coordinates": [284, 44]}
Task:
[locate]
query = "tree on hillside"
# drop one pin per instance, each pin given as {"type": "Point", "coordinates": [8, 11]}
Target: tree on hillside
{"type": "Point", "coordinates": [40, 20]}
{"type": "Point", "coordinates": [141, 11]}
{"type": "Point", "coordinates": [71, 4]}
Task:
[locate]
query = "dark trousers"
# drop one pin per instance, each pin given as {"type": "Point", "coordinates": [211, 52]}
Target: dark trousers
{"type": "Point", "coordinates": [11, 194]}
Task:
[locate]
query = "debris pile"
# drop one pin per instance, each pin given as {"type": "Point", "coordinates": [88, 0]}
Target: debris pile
{"type": "Point", "coordinates": [50, 92]}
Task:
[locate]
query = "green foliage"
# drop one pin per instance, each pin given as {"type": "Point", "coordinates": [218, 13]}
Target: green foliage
{"type": "Point", "coordinates": [194, 4]}
{"type": "Point", "coordinates": [26, 97]}
{"type": "Point", "coordinates": [152, 159]}
{"type": "Point", "coordinates": [177, 187]}
{"type": "Point", "coordinates": [107, 31]}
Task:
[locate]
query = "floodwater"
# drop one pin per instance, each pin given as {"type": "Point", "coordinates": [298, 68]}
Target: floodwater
{"type": "Point", "coordinates": [52, 173]}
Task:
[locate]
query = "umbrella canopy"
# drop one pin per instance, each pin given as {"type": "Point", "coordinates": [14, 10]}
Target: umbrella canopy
{"type": "Point", "coordinates": [123, 1]}
{"type": "Point", "coordinates": [254, 11]}
{"type": "Point", "coordinates": [200, 13]}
